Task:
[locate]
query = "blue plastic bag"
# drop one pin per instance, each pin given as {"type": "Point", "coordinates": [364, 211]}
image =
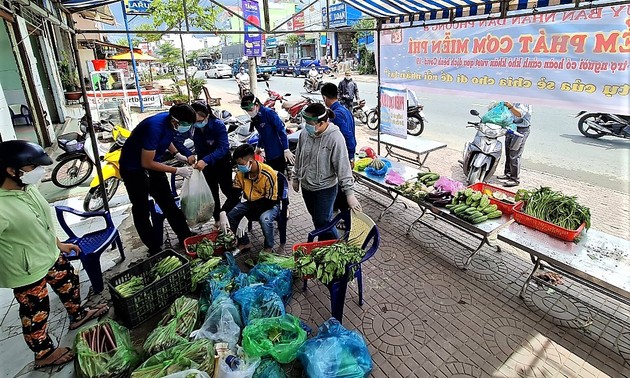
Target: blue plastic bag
{"type": "Point", "coordinates": [269, 369]}
{"type": "Point", "coordinates": [499, 114]}
{"type": "Point", "coordinates": [281, 280]}
{"type": "Point", "coordinates": [224, 279]}
{"type": "Point", "coordinates": [379, 172]}
{"type": "Point", "coordinates": [335, 353]}
{"type": "Point", "coordinates": [258, 302]}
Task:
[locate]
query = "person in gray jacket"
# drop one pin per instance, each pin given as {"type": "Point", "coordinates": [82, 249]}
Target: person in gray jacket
{"type": "Point", "coordinates": [321, 166]}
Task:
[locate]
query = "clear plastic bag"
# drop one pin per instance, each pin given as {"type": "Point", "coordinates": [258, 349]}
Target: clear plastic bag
{"type": "Point", "coordinates": [222, 324]}
{"type": "Point", "coordinates": [280, 338]}
{"type": "Point", "coordinates": [258, 302]}
{"type": "Point", "coordinates": [335, 353]}
{"type": "Point", "coordinates": [246, 369]}
{"type": "Point", "coordinates": [499, 114]}
{"type": "Point", "coordinates": [197, 200]}
{"type": "Point", "coordinates": [190, 373]}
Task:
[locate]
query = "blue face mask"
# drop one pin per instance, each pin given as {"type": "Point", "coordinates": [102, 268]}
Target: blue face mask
{"type": "Point", "coordinates": [310, 129]}
{"type": "Point", "coordinates": [243, 168]}
{"type": "Point", "coordinates": [200, 125]}
{"type": "Point", "coordinates": [183, 127]}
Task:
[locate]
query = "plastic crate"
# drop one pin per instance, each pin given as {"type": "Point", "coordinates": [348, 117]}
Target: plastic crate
{"type": "Point", "coordinates": [506, 208]}
{"type": "Point", "coordinates": [133, 311]}
{"type": "Point", "coordinates": [309, 247]}
{"type": "Point", "coordinates": [219, 251]}
{"type": "Point", "coordinates": [544, 226]}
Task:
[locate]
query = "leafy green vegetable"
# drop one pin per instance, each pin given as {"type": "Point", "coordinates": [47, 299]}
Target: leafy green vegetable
{"type": "Point", "coordinates": [328, 263]}
{"type": "Point", "coordinates": [555, 207]}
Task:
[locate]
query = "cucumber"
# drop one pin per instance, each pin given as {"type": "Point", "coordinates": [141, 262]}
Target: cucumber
{"type": "Point", "coordinates": [476, 214]}
{"type": "Point", "coordinates": [490, 209]}
{"type": "Point", "coordinates": [476, 196]}
{"type": "Point", "coordinates": [430, 182]}
{"type": "Point", "coordinates": [484, 202]}
{"type": "Point", "coordinates": [469, 201]}
{"type": "Point", "coordinates": [460, 209]}
{"type": "Point", "coordinates": [449, 206]}
{"type": "Point", "coordinates": [470, 210]}
{"type": "Point", "coordinates": [468, 192]}
{"type": "Point", "coordinates": [479, 219]}
{"type": "Point", "coordinates": [495, 214]}
{"type": "Point", "coordinates": [474, 204]}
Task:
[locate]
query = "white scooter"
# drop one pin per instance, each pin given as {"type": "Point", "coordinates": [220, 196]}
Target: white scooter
{"type": "Point", "coordinates": [482, 156]}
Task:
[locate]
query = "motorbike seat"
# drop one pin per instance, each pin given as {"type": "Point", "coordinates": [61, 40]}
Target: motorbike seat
{"type": "Point", "coordinates": [290, 104]}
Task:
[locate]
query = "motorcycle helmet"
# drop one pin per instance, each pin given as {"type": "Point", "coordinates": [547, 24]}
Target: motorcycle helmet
{"type": "Point", "coordinates": [20, 153]}
{"type": "Point", "coordinates": [367, 152]}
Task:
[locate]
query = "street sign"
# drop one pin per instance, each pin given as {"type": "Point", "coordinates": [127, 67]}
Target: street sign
{"type": "Point", "coordinates": [253, 41]}
{"type": "Point", "coordinates": [137, 7]}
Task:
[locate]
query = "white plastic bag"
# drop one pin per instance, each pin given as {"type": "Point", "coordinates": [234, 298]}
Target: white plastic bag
{"type": "Point", "coordinates": [189, 374]}
{"type": "Point", "coordinates": [197, 200]}
{"type": "Point", "coordinates": [246, 369]}
{"type": "Point", "coordinates": [222, 324]}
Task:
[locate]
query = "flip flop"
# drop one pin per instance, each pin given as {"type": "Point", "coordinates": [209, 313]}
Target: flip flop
{"type": "Point", "coordinates": [56, 362]}
{"type": "Point", "coordinates": [97, 312]}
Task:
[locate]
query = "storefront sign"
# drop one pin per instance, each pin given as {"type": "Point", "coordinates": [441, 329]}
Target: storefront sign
{"type": "Point", "coordinates": [137, 7]}
{"type": "Point", "coordinates": [298, 23]}
{"type": "Point", "coordinates": [577, 59]}
{"type": "Point", "coordinates": [394, 112]}
{"type": "Point", "coordinates": [150, 97]}
{"type": "Point", "coordinates": [253, 41]}
{"type": "Point", "coordinates": [341, 15]}
{"type": "Point", "coordinates": [271, 42]}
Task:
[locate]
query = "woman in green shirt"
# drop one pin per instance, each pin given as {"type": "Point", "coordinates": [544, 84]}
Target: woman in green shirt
{"type": "Point", "coordinates": [32, 256]}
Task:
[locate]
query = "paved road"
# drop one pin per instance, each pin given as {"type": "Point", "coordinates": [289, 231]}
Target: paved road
{"type": "Point", "coordinates": [555, 145]}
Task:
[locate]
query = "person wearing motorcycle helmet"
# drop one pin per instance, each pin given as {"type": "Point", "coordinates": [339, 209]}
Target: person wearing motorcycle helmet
{"type": "Point", "coordinates": [32, 255]}
{"type": "Point", "coordinates": [144, 174]}
{"type": "Point", "coordinates": [273, 140]}
{"type": "Point", "coordinates": [313, 75]}
{"type": "Point", "coordinates": [322, 166]}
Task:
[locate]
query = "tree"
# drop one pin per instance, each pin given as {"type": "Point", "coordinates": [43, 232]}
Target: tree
{"type": "Point", "coordinates": [364, 23]}
{"type": "Point", "coordinates": [170, 55]}
{"type": "Point", "coordinates": [293, 40]}
{"type": "Point", "coordinates": [124, 42]}
{"type": "Point", "coordinates": [148, 37]}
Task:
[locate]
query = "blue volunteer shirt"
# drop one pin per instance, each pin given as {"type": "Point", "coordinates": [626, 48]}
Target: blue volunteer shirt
{"type": "Point", "coordinates": [153, 134]}
{"type": "Point", "coordinates": [273, 135]}
{"type": "Point", "coordinates": [211, 142]}
{"type": "Point", "coordinates": [345, 121]}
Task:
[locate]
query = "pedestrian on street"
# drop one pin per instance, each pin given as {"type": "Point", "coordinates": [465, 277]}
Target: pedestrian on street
{"type": "Point", "coordinates": [349, 91]}
{"type": "Point", "coordinates": [213, 153]}
{"type": "Point", "coordinates": [258, 182]}
{"type": "Point", "coordinates": [321, 165]}
{"type": "Point", "coordinates": [515, 144]}
{"type": "Point", "coordinates": [272, 143]}
{"type": "Point", "coordinates": [32, 255]}
{"type": "Point", "coordinates": [345, 121]}
{"type": "Point", "coordinates": [144, 174]}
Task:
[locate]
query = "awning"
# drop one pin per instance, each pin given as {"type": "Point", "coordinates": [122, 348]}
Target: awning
{"type": "Point", "coordinates": [79, 5]}
{"type": "Point", "coordinates": [399, 11]}
{"type": "Point", "coordinates": [136, 56]}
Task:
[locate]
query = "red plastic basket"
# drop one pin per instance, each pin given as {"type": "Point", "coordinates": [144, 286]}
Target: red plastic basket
{"type": "Point", "coordinates": [309, 247]}
{"type": "Point", "coordinates": [544, 226]}
{"type": "Point", "coordinates": [197, 238]}
{"type": "Point", "coordinates": [506, 208]}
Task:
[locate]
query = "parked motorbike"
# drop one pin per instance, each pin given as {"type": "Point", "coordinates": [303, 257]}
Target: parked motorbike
{"type": "Point", "coordinates": [597, 125]}
{"type": "Point", "coordinates": [313, 85]}
{"type": "Point", "coordinates": [74, 165]}
{"type": "Point", "coordinates": [294, 108]}
{"type": "Point", "coordinates": [358, 112]}
{"type": "Point", "coordinates": [415, 119]}
{"type": "Point", "coordinates": [93, 200]}
{"type": "Point", "coordinates": [231, 122]}
{"type": "Point", "coordinates": [482, 156]}
{"type": "Point", "coordinates": [243, 135]}
{"type": "Point", "coordinates": [274, 97]}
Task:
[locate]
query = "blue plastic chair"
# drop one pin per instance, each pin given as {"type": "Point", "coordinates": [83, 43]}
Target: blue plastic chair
{"type": "Point", "coordinates": [360, 231]}
{"type": "Point", "coordinates": [281, 219]}
{"type": "Point", "coordinates": [92, 244]}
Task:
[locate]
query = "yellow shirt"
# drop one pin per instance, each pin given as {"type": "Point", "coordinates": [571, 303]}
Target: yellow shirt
{"type": "Point", "coordinates": [265, 186]}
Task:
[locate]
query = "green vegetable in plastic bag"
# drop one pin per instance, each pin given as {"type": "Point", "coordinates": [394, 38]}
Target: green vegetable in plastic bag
{"type": "Point", "coordinates": [198, 354]}
{"type": "Point", "coordinates": [175, 327]}
{"type": "Point", "coordinates": [258, 302]}
{"type": "Point", "coordinates": [197, 201]}
{"type": "Point", "coordinates": [280, 338]}
{"type": "Point", "coordinates": [286, 262]}
{"type": "Point", "coordinates": [105, 351]}
{"type": "Point", "coordinates": [269, 369]}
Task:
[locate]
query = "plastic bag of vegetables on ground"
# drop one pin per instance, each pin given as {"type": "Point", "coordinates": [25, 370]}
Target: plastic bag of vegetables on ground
{"type": "Point", "coordinates": [175, 327]}
{"type": "Point", "coordinates": [258, 302]}
{"type": "Point", "coordinates": [244, 368]}
{"type": "Point", "coordinates": [280, 279]}
{"type": "Point", "coordinates": [279, 338]}
{"type": "Point", "coordinates": [190, 373]}
{"type": "Point", "coordinates": [220, 280]}
{"type": "Point", "coordinates": [223, 322]}
{"type": "Point", "coordinates": [335, 353]}
{"type": "Point", "coordinates": [104, 350]}
{"type": "Point", "coordinates": [198, 354]}
{"type": "Point", "coordinates": [269, 368]}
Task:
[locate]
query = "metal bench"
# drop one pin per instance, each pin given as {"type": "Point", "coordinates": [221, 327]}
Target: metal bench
{"type": "Point", "coordinates": [418, 146]}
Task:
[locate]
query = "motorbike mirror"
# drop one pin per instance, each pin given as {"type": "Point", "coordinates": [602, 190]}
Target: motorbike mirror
{"type": "Point", "coordinates": [518, 120]}
{"type": "Point", "coordinates": [474, 112]}
{"type": "Point", "coordinates": [267, 84]}
{"type": "Point", "coordinates": [287, 94]}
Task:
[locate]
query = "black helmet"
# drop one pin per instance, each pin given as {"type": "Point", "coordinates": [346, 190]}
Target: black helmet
{"type": "Point", "coordinates": [20, 153]}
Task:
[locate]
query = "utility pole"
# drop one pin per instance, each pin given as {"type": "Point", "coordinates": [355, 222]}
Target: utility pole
{"type": "Point", "coordinates": [181, 40]}
{"type": "Point", "coordinates": [253, 76]}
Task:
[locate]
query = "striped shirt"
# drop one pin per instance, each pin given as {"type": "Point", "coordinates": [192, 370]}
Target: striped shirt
{"type": "Point", "coordinates": [264, 186]}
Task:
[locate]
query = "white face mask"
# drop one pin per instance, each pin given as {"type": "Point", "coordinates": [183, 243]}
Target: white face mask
{"type": "Point", "coordinates": [252, 113]}
{"type": "Point", "coordinates": [34, 176]}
